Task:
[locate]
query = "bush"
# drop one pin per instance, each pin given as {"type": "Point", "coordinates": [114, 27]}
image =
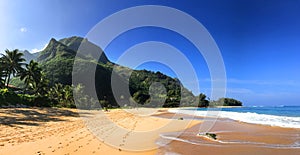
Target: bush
{"type": "Point", "coordinates": [41, 101]}
{"type": "Point", "coordinates": [11, 98]}
{"type": "Point", "coordinates": [27, 99]}
{"type": "Point", "coordinates": [8, 97]}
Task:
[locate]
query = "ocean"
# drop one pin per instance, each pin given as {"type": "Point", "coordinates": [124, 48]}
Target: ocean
{"type": "Point", "coordinates": [235, 135]}
{"type": "Point", "coordinates": [281, 116]}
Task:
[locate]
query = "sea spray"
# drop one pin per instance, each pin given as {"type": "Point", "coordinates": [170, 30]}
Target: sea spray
{"type": "Point", "coordinates": [247, 117]}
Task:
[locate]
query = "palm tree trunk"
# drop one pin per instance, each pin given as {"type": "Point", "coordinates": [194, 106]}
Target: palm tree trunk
{"type": "Point", "coordinates": [8, 79]}
{"type": "Point", "coordinates": [5, 79]}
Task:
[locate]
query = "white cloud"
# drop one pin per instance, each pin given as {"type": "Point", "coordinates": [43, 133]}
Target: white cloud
{"type": "Point", "coordinates": [23, 29]}
{"type": "Point", "coordinates": [35, 50]}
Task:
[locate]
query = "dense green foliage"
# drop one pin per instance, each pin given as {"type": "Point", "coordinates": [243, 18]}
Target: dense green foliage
{"type": "Point", "coordinates": [17, 82]}
{"type": "Point", "coordinates": [34, 78]}
{"type": "Point", "coordinates": [226, 102]}
{"type": "Point", "coordinates": [203, 102]}
{"type": "Point", "coordinates": [8, 97]}
{"type": "Point", "coordinates": [11, 64]}
{"type": "Point", "coordinates": [2, 74]}
{"type": "Point", "coordinates": [48, 82]}
{"type": "Point", "coordinates": [57, 62]}
{"type": "Point", "coordinates": [141, 81]}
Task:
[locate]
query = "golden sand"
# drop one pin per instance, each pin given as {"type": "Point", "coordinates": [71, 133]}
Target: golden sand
{"type": "Point", "coordinates": [62, 131]}
{"type": "Point", "coordinates": [55, 131]}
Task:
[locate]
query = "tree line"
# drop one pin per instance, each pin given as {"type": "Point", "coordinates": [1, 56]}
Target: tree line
{"type": "Point", "coordinates": [40, 91]}
{"type": "Point", "coordinates": [37, 91]}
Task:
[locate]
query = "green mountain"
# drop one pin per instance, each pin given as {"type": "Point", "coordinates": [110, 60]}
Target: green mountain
{"type": "Point", "coordinates": [57, 61]}
{"type": "Point", "coordinates": [55, 49]}
{"type": "Point", "coordinates": [89, 48]}
{"type": "Point", "coordinates": [29, 56]}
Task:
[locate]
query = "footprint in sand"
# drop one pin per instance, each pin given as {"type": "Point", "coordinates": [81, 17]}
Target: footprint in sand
{"type": "Point", "coordinates": [40, 153]}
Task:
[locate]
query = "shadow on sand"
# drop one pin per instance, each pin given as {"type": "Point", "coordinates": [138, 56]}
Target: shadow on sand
{"type": "Point", "coordinates": [33, 116]}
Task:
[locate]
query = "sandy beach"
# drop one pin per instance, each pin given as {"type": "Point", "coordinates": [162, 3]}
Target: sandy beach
{"type": "Point", "coordinates": [62, 131]}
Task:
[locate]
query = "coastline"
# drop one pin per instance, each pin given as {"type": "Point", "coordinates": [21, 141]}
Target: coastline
{"type": "Point", "coordinates": [62, 131]}
{"type": "Point", "coordinates": [235, 138]}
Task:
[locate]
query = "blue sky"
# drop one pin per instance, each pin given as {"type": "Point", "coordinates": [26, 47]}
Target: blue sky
{"type": "Point", "coordinates": [259, 40]}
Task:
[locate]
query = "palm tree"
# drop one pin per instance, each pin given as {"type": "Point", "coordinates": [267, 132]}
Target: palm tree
{"type": "Point", "coordinates": [203, 102]}
{"type": "Point", "coordinates": [1, 74]}
{"type": "Point", "coordinates": [12, 64]}
{"type": "Point", "coordinates": [55, 92]}
{"type": "Point", "coordinates": [32, 76]}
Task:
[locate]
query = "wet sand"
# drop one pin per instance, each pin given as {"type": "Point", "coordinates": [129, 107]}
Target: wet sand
{"type": "Point", "coordinates": [235, 138]}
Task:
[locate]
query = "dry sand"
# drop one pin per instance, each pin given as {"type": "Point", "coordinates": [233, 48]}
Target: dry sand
{"type": "Point", "coordinates": [61, 132]}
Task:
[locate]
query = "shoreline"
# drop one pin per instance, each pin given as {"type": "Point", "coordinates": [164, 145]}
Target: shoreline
{"type": "Point", "coordinates": [250, 117]}
{"type": "Point", "coordinates": [62, 131]}
{"type": "Point", "coordinates": [234, 137]}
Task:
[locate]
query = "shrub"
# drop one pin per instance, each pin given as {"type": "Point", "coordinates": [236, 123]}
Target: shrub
{"type": "Point", "coordinates": [8, 97]}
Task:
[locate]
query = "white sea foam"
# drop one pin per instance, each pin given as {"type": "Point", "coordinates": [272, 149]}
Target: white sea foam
{"type": "Point", "coordinates": [219, 143]}
{"type": "Point", "coordinates": [249, 117]}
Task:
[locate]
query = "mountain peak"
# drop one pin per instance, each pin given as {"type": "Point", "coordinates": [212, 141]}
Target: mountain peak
{"type": "Point", "coordinates": [69, 47]}
{"type": "Point", "coordinates": [52, 40]}
{"type": "Point", "coordinates": [29, 56]}
{"type": "Point", "coordinates": [53, 49]}
{"type": "Point", "coordinates": [26, 52]}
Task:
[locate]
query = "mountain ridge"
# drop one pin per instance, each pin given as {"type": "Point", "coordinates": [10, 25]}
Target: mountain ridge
{"type": "Point", "coordinates": [57, 61]}
{"type": "Point", "coordinates": [29, 56]}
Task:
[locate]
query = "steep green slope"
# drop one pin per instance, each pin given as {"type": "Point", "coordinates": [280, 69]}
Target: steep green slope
{"type": "Point", "coordinates": [29, 56]}
{"type": "Point", "coordinates": [55, 49]}
{"type": "Point", "coordinates": [89, 48]}
{"type": "Point", "coordinates": [57, 61]}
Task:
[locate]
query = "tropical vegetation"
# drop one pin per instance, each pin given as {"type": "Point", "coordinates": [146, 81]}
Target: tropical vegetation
{"type": "Point", "coordinates": [48, 80]}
